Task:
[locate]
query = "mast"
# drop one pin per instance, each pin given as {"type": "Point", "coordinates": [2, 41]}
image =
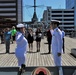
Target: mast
{"type": "Point", "coordinates": [34, 19]}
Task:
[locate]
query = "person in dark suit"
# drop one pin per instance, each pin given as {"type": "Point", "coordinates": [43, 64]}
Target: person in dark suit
{"type": "Point", "coordinates": [49, 38]}
{"type": "Point", "coordinates": [30, 39]}
{"type": "Point", "coordinates": [63, 35]}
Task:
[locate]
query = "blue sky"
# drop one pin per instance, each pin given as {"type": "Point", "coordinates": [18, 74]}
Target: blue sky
{"type": "Point", "coordinates": [28, 12]}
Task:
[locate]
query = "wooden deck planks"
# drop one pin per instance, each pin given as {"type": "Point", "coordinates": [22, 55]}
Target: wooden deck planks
{"type": "Point", "coordinates": [39, 58]}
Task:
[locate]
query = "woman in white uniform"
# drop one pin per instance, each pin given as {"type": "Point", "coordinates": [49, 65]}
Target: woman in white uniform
{"type": "Point", "coordinates": [22, 44]}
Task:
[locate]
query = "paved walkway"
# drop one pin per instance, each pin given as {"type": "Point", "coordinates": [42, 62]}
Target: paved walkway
{"type": "Point", "coordinates": [39, 58]}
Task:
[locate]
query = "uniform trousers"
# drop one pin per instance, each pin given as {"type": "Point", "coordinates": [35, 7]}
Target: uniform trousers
{"type": "Point", "coordinates": [21, 59]}
{"type": "Point", "coordinates": [57, 60]}
{"type": "Point", "coordinates": [49, 47]}
{"type": "Point", "coordinates": [63, 46]}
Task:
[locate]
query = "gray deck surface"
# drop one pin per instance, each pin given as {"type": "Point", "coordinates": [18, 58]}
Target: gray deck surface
{"type": "Point", "coordinates": [38, 58]}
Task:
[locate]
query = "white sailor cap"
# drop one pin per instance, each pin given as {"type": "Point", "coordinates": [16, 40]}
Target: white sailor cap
{"type": "Point", "coordinates": [55, 21]}
{"type": "Point", "coordinates": [20, 25]}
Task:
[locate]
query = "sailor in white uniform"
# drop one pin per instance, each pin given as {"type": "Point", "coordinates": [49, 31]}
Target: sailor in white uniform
{"type": "Point", "coordinates": [21, 48]}
{"type": "Point", "coordinates": [57, 45]}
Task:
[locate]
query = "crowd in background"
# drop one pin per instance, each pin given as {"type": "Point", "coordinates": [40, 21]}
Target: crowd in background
{"type": "Point", "coordinates": [29, 34]}
{"type": "Point", "coordinates": [7, 37]}
{"type": "Point", "coordinates": [23, 38]}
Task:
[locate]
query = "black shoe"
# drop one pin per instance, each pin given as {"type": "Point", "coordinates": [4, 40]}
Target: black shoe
{"type": "Point", "coordinates": [23, 68]}
{"type": "Point", "coordinates": [37, 50]}
{"type": "Point", "coordinates": [7, 52]}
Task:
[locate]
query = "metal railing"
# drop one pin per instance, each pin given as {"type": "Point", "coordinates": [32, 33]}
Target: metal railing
{"type": "Point", "coordinates": [67, 70]}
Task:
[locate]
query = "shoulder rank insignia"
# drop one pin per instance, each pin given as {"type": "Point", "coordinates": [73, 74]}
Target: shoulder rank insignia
{"type": "Point", "coordinates": [57, 30]}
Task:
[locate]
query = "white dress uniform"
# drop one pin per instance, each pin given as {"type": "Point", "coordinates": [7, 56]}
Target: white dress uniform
{"type": "Point", "coordinates": [21, 48]}
{"type": "Point", "coordinates": [57, 46]}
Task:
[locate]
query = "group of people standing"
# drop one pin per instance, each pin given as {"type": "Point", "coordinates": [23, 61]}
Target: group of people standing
{"type": "Point", "coordinates": [55, 45]}
{"type": "Point", "coordinates": [30, 38]}
{"type": "Point", "coordinates": [49, 38]}
{"type": "Point", "coordinates": [55, 42]}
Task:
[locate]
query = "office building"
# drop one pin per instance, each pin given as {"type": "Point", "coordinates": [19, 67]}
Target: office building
{"type": "Point", "coordinates": [66, 16]}
{"type": "Point", "coordinates": [71, 4]}
{"type": "Point", "coordinates": [10, 12]}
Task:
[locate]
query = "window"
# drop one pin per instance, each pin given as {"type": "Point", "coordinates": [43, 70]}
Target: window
{"type": "Point", "coordinates": [48, 18]}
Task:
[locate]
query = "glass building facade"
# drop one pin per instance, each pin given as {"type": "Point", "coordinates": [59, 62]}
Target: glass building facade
{"type": "Point", "coordinates": [70, 4]}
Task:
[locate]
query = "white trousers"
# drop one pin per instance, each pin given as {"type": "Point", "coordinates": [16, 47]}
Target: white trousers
{"type": "Point", "coordinates": [21, 60]}
{"type": "Point", "coordinates": [57, 60]}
